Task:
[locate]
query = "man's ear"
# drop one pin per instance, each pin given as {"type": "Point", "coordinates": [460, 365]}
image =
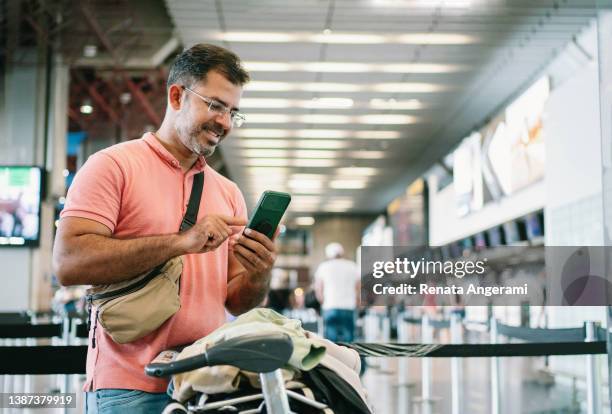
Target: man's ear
{"type": "Point", "coordinates": [175, 97]}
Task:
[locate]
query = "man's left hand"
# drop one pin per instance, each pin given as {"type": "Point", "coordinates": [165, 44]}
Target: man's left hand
{"type": "Point", "coordinates": [255, 251]}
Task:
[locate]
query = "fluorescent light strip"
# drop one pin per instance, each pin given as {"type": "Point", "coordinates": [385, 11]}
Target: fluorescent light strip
{"type": "Point", "coordinates": [314, 133]}
{"type": "Point", "coordinates": [318, 103]}
{"type": "Point", "coordinates": [356, 171]}
{"type": "Point", "coordinates": [347, 184]}
{"type": "Point", "coordinates": [341, 38]}
{"type": "Point", "coordinates": [304, 221]}
{"type": "Point", "coordinates": [391, 104]}
{"type": "Point", "coordinates": [330, 103]}
{"type": "Point", "coordinates": [391, 87]}
{"type": "Point", "coordinates": [429, 4]}
{"type": "Point", "coordinates": [286, 153]}
{"type": "Point", "coordinates": [313, 184]}
{"type": "Point", "coordinates": [371, 119]}
{"type": "Point", "coordinates": [282, 144]}
{"type": "Point", "coordinates": [352, 67]}
{"type": "Point", "coordinates": [305, 190]}
{"type": "Point", "coordinates": [284, 162]}
{"type": "Point", "coordinates": [266, 171]}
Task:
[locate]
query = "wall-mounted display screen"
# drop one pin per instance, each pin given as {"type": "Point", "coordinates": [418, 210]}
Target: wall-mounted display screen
{"type": "Point", "coordinates": [534, 223]}
{"type": "Point", "coordinates": [20, 195]}
{"type": "Point", "coordinates": [516, 150]}
{"type": "Point", "coordinates": [467, 175]}
{"type": "Point", "coordinates": [407, 216]}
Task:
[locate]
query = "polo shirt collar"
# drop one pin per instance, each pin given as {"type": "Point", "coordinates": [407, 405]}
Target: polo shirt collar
{"type": "Point", "coordinates": [166, 156]}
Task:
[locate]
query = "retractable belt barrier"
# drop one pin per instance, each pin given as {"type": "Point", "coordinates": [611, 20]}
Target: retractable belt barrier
{"type": "Point", "coordinates": [542, 334]}
{"type": "Point", "coordinates": [71, 359]}
{"type": "Point", "coordinates": [520, 332]}
{"type": "Point", "coordinates": [42, 360]}
{"type": "Point", "coordinates": [477, 350]}
{"type": "Point", "coordinates": [44, 330]}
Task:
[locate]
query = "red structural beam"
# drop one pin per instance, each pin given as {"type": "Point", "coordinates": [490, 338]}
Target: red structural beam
{"type": "Point", "coordinates": [136, 92]}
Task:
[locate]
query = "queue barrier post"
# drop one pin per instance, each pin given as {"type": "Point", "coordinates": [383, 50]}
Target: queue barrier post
{"type": "Point", "coordinates": [456, 366]}
{"type": "Point", "coordinates": [593, 374]}
{"type": "Point", "coordinates": [403, 337]}
{"type": "Point", "coordinates": [385, 324]}
{"type": "Point", "coordinates": [66, 339]}
{"type": "Point", "coordinates": [426, 400]}
{"type": "Point", "coordinates": [427, 338]}
{"type": "Point", "coordinates": [495, 372]}
{"type": "Point", "coordinates": [371, 327]}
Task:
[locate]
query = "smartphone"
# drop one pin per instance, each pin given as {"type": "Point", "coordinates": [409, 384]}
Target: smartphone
{"type": "Point", "coordinates": [269, 211]}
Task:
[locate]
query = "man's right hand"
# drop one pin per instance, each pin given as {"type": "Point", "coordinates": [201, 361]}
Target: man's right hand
{"type": "Point", "coordinates": [210, 232]}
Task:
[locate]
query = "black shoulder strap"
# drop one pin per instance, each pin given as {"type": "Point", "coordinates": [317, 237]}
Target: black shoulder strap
{"type": "Point", "coordinates": [191, 215]}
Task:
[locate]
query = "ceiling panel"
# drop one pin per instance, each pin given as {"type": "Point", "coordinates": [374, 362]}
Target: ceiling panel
{"type": "Point", "coordinates": [504, 45]}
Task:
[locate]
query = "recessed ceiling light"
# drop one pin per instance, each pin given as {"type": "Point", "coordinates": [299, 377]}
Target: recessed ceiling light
{"type": "Point", "coordinates": [90, 51]}
{"type": "Point", "coordinates": [86, 108]}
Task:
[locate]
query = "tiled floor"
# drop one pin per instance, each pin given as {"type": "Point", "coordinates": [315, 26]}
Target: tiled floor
{"type": "Point", "coordinates": [520, 392]}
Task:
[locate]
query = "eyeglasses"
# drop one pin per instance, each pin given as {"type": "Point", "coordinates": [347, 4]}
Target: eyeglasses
{"type": "Point", "coordinates": [218, 108]}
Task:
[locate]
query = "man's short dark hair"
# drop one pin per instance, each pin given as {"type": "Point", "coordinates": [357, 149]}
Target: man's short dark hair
{"type": "Point", "coordinates": [193, 64]}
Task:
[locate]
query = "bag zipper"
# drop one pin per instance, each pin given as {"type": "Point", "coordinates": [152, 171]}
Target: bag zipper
{"type": "Point", "coordinates": [130, 288]}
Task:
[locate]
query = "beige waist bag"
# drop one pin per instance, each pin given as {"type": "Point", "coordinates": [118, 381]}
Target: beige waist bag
{"type": "Point", "coordinates": [134, 308]}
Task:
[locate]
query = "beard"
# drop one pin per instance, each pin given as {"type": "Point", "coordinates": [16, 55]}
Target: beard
{"type": "Point", "coordinates": [189, 136]}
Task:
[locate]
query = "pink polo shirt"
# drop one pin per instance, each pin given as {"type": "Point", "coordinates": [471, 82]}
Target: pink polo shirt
{"type": "Point", "coordinates": [136, 189]}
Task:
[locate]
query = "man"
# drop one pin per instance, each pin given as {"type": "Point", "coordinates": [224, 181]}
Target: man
{"type": "Point", "coordinates": [122, 216]}
{"type": "Point", "coordinates": [337, 287]}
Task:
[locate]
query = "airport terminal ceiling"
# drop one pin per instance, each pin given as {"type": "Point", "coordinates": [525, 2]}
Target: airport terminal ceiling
{"type": "Point", "coordinates": [350, 101]}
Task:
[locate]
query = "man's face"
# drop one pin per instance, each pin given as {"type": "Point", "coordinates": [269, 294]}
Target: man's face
{"type": "Point", "coordinates": [199, 129]}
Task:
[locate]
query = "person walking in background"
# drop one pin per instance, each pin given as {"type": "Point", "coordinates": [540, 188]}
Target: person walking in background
{"type": "Point", "coordinates": [337, 285]}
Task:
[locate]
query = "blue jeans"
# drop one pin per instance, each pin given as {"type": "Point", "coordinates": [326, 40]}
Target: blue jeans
{"type": "Point", "coordinates": [339, 325]}
{"type": "Point", "coordinates": [116, 401]}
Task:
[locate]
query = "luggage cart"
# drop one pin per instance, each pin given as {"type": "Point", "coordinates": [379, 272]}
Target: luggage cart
{"type": "Point", "coordinates": [264, 355]}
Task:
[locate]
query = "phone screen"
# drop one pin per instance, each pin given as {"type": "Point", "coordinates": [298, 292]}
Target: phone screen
{"type": "Point", "coordinates": [269, 211]}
